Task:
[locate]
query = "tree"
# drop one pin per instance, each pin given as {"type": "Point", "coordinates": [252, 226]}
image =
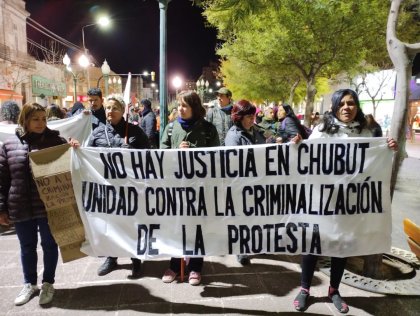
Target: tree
{"type": "Point", "coordinates": [319, 38]}
{"type": "Point", "coordinates": [402, 55]}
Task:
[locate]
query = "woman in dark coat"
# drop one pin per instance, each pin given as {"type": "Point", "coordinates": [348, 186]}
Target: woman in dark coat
{"type": "Point", "coordinates": [289, 128]}
{"type": "Point", "coordinates": [20, 201]}
{"type": "Point", "coordinates": [244, 131]}
{"type": "Point", "coordinates": [189, 130]}
{"type": "Point", "coordinates": [118, 133]}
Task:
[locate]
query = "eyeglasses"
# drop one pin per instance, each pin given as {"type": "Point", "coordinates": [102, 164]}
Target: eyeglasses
{"type": "Point", "coordinates": [349, 103]}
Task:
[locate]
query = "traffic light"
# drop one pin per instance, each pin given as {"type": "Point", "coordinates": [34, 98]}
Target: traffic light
{"type": "Point", "coordinates": [153, 75]}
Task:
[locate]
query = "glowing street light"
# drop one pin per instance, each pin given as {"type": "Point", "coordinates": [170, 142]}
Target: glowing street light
{"type": "Point", "coordinates": [177, 83]}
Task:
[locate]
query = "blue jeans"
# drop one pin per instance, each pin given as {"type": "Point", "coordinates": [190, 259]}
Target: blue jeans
{"type": "Point", "coordinates": [27, 233]}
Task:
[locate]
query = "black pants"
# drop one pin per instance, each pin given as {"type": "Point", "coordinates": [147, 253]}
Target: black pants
{"type": "Point", "coordinates": [194, 264]}
{"type": "Point", "coordinates": [308, 269]}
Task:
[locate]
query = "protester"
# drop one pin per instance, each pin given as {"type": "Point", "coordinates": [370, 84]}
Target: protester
{"type": "Point", "coordinates": [269, 124]}
{"type": "Point", "coordinates": [219, 114]}
{"type": "Point", "coordinates": [315, 119]}
{"type": "Point", "coordinates": [118, 133]}
{"type": "Point", "coordinates": [244, 132]}
{"type": "Point", "coordinates": [96, 106]}
{"type": "Point", "coordinates": [189, 130]}
{"type": "Point", "coordinates": [76, 108]}
{"type": "Point", "coordinates": [54, 113]}
{"type": "Point", "coordinates": [148, 122]}
{"type": "Point", "coordinates": [21, 204]}
{"type": "Point", "coordinates": [346, 119]}
{"type": "Point", "coordinates": [9, 112]}
{"type": "Point", "coordinates": [289, 127]}
{"type": "Point", "coordinates": [374, 126]}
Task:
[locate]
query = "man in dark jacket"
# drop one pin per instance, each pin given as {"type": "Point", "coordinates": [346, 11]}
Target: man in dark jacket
{"type": "Point", "coordinates": [96, 106]}
{"type": "Point", "coordinates": [148, 121]}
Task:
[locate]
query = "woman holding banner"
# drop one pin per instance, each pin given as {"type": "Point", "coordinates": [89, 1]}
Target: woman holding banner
{"type": "Point", "coordinates": [244, 132]}
{"type": "Point", "coordinates": [118, 133]}
{"type": "Point", "coordinates": [20, 201]}
{"type": "Point", "coordinates": [189, 130]}
{"type": "Point", "coordinates": [346, 119]}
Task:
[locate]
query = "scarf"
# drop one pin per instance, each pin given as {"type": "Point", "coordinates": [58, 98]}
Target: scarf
{"type": "Point", "coordinates": [186, 124]}
{"type": "Point", "coordinates": [227, 109]}
{"type": "Point", "coordinates": [145, 112]}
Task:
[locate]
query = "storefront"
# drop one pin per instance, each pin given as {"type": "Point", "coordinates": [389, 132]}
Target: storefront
{"type": "Point", "coordinates": [10, 95]}
{"type": "Point", "coordinates": [46, 91]}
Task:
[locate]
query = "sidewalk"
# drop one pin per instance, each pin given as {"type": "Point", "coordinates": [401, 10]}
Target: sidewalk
{"type": "Point", "coordinates": [266, 287]}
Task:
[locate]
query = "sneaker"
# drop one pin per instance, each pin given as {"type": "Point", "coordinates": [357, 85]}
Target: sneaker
{"type": "Point", "coordinates": [243, 259]}
{"type": "Point", "coordinates": [169, 276]}
{"type": "Point", "coordinates": [108, 266]}
{"type": "Point", "coordinates": [301, 300]}
{"type": "Point", "coordinates": [337, 300]}
{"type": "Point", "coordinates": [47, 293]}
{"type": "Point", "coordinates": [25, 294]}
{"type": "Point", "coordinates": [194, 278]}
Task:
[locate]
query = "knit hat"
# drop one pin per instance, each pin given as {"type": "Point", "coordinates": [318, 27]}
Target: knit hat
{"type": "Point", "coordinates": [9, 111]}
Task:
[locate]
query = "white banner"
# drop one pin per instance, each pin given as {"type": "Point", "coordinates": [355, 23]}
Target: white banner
{"type": "Point", "coordinates": [326, 196]}
{"type": "Point", "coordinates": [78, 127]}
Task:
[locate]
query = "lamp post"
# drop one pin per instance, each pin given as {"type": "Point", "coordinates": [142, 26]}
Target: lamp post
{"type": "Point", "coordinates": [102, 21]}
{"type": "Point", "coordinates": [105, 72]}
{"type": "Point", "coordinates": [67, 63]}
{"type": "Point", "coordinates": [202, 87]}
{"type": "Point", "coordinates": [163, 87]}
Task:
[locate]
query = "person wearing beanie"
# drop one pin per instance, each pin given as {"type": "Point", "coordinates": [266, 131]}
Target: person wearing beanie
{"type": "Point", "coordinates": [9, 112]}
{"type": "Point", "coordinates": [148, 121]}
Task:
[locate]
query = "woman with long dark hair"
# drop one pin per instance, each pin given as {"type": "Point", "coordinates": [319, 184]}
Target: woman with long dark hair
{"type": "Point", "coordinates": [289, 128]}
{"type": "Point", "coordinates": [346, 119]}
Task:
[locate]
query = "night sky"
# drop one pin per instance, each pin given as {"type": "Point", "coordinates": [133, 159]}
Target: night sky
{"type": "Point", "coordinates": [131, 43]}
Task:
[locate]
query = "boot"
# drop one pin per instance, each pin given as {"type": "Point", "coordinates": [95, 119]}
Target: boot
{"type": "Point", "coordinates": [243, 259]}
{"type": "Point", "coordinates": [109, 265]}
{"type": "Point", "coordinates": [135, 270]}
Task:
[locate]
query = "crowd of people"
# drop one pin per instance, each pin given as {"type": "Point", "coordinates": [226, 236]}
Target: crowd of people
{"type": "Point", "coordinates": [223, 123]}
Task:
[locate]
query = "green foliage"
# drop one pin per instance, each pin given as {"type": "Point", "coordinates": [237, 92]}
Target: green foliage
{"type": "Point", "coordinates": [270, 44]}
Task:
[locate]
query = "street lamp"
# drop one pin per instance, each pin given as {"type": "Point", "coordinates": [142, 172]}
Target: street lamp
{"type": "Point", "coordinates": [102, 21]}
{"type": "Point", "coordinates": [67, 63]}
{"type": "Point", "coordinates": [202, 87]}
{"type": "Point", "coordinates": [105, 72]}
{"type": "Point", "coordinates": [177, 83]}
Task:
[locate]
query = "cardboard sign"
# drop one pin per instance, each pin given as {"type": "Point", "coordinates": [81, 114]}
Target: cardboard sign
{"type": "Point", "coordinates": [51, 171]}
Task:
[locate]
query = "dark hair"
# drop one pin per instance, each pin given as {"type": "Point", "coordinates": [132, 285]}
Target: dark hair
{"type": "Point", "coordinates": [240, 109]}
{"type": "Point", "coordinates": [146, 103]}
{"type": "Point", "coordinates": [328, 120]}
{"type": "Point", "coordinates": [95, 92]}
{"type": "Point", "coordinates": [54, 111]}
{"type": "Point", "coordinates": [291, 114]}
{"type": "Point", "coordinates": [193, 100]}
{"type": "Point", "coordinates": [9, 112]}
{"type": "Point", "coordinates": [76, 107]}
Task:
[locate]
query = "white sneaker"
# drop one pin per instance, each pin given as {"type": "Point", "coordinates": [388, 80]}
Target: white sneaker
{"type": "Point", "coordinates": [47, 293]}
{"type": "Point", "coordinates": [25, 294]}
